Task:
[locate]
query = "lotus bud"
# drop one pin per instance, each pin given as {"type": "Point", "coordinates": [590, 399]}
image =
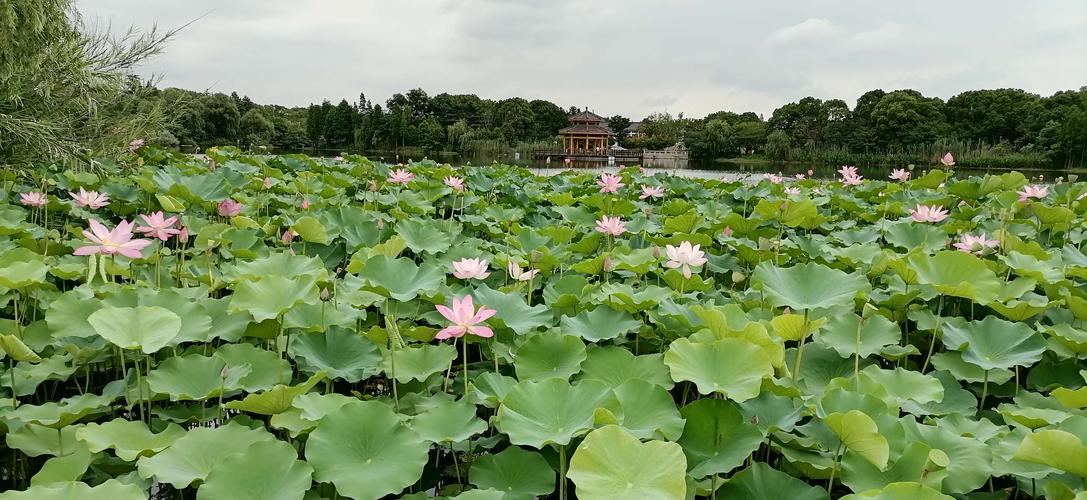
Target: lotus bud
{"type": "Point", "coordinates": [380, 224]}
{"type": "Point", "coordinates": [869, 310]}
{"type": "Point", "coordinates": [607, 262]}
{"type": "Point", "coordinates": [183, 235]}
{"type": "Point", "coordinates": [373, 185]}
{"type": "Point", "coordinates": [225, 372]}
{"type": "Point", "coordinates": [325, 295]}
{"type": "Point", "coordinates": [305, 203]}
{"type": "Point", "coordinates": [788, 310]}
{"type": "Point", "coordinates": [287, 237]}
{"type": "Point", "coordinates": [656, 252]}
{"type": "Point", "coordinates": [738, 277]}
{"type": "Point", "coordinates": [727, 232]}
{"type": "Point", "coordinates": [811, 172]}
{"type": "Point", "coordinates": [267, 183]}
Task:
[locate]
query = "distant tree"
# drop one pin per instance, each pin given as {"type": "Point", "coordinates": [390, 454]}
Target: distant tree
{"type": "Point", "coordinates": [906, 118]}
{"type": "Point", "coordinates": [619, 124]}
{"type": "Point", "coordinates": [777, 145]}
{"type": "Point", "coordinates": [991, 115]}
{"type": "Point", "coordinates": [749, 135]}
{"type": "Point", "coordinates": [515, 120]}
{"type": "Point", "coordinates": [709, 139]}
{"type": "Point", "coordinates": [221, 118]}
{"type": "Point", "coordinates": [549, 118]}
{"type": "Point", "coordinates": [431, 134]}
{"type": "Point", "coordinates": [315, 124]}
{"type": "Point", "coordinates": [256, 129]}
{"type": "Point", "coordinates": [419, 103]}
{"type": "Point", "coordinates": [340, 125]}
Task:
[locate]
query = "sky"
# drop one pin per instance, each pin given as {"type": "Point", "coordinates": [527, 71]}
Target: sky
{"type": "Point", "coordinates": [629, 57]}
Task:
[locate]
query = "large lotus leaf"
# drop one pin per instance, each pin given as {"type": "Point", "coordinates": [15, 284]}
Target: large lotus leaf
{"type": "Point", "coordinates": [645, 410]}
{"type": "Point", "coordinates": [549, 355]}
{"type": "Point", "coordinates": [267, 470]}
{"type": "Point", "coordinates": [772, 412]}
{"type": "Point", "coordinates": [128, 439]}
{"type": "Point", "coordinates": [448, 421]}
{"type": "Point", "coordinates": [278, 264]}
{"type": "Point", "coordinates": [994, 343]}
{"type": "Point", "coordinates": [308, 409]}
{"type": "Point", "coordinates": [424, 235]}
{"type": "Point", "coordinates": [611, 463]}
{"type": "Point", "coordinates": [36, 440]}
{"type": "Point", "coordinates": [513, 311]}
{"type": "Point", "coordinates": [625, 297]}
{"type": "Point", "coordinates": [20, 268]}
{"type": "Point", "coordinates": [418, 362]}
{"type": "Point", "coordinates": [732, 367]}
{"type": "Point", "coordinates": [400, 278]}
{"type": "Point", "coordinates": [1055, 448]}
{"type": "Point", "coordinates": [917, 462]}
{"type": "Point", "coordinates": [28, 376]}
{"type": "Point", "coordinates": [845, 334]}
{"type": "Point", "coordinates": [515, 471]}
{"type": "Point", "coordinates": [275, 400]}
{"type": "Point", "coordinates": [311, 230]}
{"type": "Point", "coordinates": [859, 434]}
{"type": "Point", "coordinates": [339, 352]}
{"type": "Point", "coordinates": [909, 236]}
{"type": "Point", "coordinates": [614, 365]}
{"type": "Point", "coordinates": [138, 328]}
{"type": "Point", "coordinates": [17, 350]}
{"type": "Point", "coordinates": [762, 482]}
{"type": "Point", "coordinates": [808, 285]}
{"type": "Point", "coordinates": [717, 438]}
{"type": "Point", "coordinates": [365, 451]}
{"type": "Point", "coordinates": [62, 469]}
{"type": "Point", "coordinates": [194, 377]}
{"type": "Point", "coordinates": [901, 384]}
{"type": "Point", "coordinates": [273, 295]}
{"type": "Point", "coordinates": [958, 274]}
{"type": "Point", "coordinates": [970, 460]}
{"type": "Point", "coordinates": [601, 323]}
{"type": "Point", "coordinates": [551, 411]}
{"type": "Point", "coordinates": [112, 489]}
{"type": "Point", "coordinates": [193, 456]}
{"type": "Point", "coordinates": [901, 491]}
{"type": "Point", "coordinates": [196, 323]}
{"type": "Point", "coordinates": [67, 314]}
{"type": "Point", "coordinates": [266, 369]}
{"type": "Point", "coordinates": [58, 414]}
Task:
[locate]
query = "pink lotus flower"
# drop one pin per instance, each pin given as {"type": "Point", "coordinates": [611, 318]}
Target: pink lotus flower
{"type": "Point", "coordinates": [135, 145]}
{"type": "Point", "coordinates": [373, 185]}
{"type": "Point", "coordinates": [976, 244]}
{"type": "Point", "coordinates": [229, 208]}
{"type": "Point", "coordinates": [338, 158]}
{"type": "Point", "coordinates": [684, 256]}
{"type": "Point", "coordinates": [792, 191]}
{"type": "Point", "coordinates": [609, 183]}
{"type": "Point", "coordinates": [850, 176]}
{"type": "Point", "coordinates": [774, 178]}
{"type": "Point", "coordinates": [183, 235]}
{"type": "Point", "coordinates": [33, 199]}
{"type": "Point", "coordinates": [455, 182]}
{"type": "Point", "coordinates": [613, 226]}
{"type": "Point", "coordinates": [567, 161]}
{"type": "Point", "coordinates": [470, 269]}
{"type": "Point", "coordinates": [1035, 191]}
{"type": "Point", "coordinates": [811, 172]}
{"type": "Point", "coordinates": [158, 226]}
{"type": "Point", "coordinates": [305, 203]}
{"type": "Point", "coordinates": [119, 240]}
{"type": "Point", "coordinates": [900, 174]}
{"type": "Point", "coordinates": [948, 160]}
{"type": "Point", "coordinates": [800, 177]}
{"type": "Point", "coordinates": [515, 272]}
{"type": "Point", "coordinates": [287, 237]}
{"type": "Point", "coordinates": [267, 183]}
{"type": "Point", "coordinates": [727, 232]}
{"type": "Point", "coordinates": [90, 199]}
{"type": "Point", "coordinates": [465, 319]}
{"type": "Point", "coordinates": [651, 192]}
{"type": "Point", "coordinates": [401, 176]}
{"type": "Point", "coordinates": [847, 171]}
{"type": "Point", "coordinates": [928, 213]}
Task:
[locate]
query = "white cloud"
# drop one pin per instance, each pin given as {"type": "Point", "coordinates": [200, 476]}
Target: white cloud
{"type": "Point", "coordinates": [888, 32]}
{"type": "Point", "coordinates": [808, 30]}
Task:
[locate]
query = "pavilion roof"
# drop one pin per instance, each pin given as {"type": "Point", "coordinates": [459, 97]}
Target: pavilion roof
{"type": "Point", "coordinates": [585, 129]}
{"type": "Point", "coordinates": [587, 116]}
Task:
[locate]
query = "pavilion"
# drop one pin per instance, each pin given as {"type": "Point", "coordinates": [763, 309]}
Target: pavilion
{"type": "Point", "coordinates": [587, 134]}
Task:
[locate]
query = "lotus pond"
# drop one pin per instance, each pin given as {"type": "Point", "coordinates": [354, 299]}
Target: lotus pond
{"type": "Point", "coordinates": [281, 327]}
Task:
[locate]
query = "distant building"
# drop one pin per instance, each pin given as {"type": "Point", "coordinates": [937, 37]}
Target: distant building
{"type": "Point", "coordinates": [588, 133]}
{"type": "Point", "coordinates": [635, 129]}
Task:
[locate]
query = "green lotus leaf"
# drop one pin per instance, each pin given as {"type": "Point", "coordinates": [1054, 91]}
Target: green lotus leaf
{"type": "Point", "coordinates": [551, 411]}
{"type": "Point", "coordinates": [716, 438]}
{"type": "Point", "coordinates": [196, 324]}
{"type": "Point", "coordinates": [339, 352]}
{"type": "Point", "coordinates": [611, 463]}
{"type": "Point", "coordinates": [194, 377]}
{"type": "Point", "coordinates": [311, 230]}
{"type": "Point", "coordinates": [36, 440]}
{"type": "Point", "coordinates": [448, 422]}
{"type": "Point", "coordinates": [418, 362]}
{"type": "Point", "coordinates": [957, 274]}
{"type": "Point", "coordinates": [732, 367]}
{"type": "Point", "coordinates": [901, 491]}
{"type": "Point", "coordinates": [196, 454]}
{"type": "Point", "coordinates": [842, 335]}
{"type": "Point", "coordinates": [909, 236]}
{"type": "Point", "coordinates": [63, 469]}
{"type": "Point", "coordinates": [614, 365]}
{"type": "Point", "coordinates": [645, 410]}
{"type": "Point", "coordinates": [112, 489]}
{"type": "Point", "coordinates": [513, 311]}
{"type": "Point", "coordinates": [1056, 448]}
{"type": "Point", "coordinates": [57, 414]}
{"type": "Point", "coordinates": [993, 343]}
{"type": "Point", "coordinates": [792, 326]}
{"type": "Point", "coordinates": [278, 264]}
{"type": "Point", "coordinates": [424, 235]}
{"type": "Point", "coordinates": [400, 278]}
{"type": "Point", "coordinates": [67, 314]}
{"type": "Point", "coordinates": [128, 439]}
{"type": "Point", "coordinates": [365, 451]}
{"type": "Point", "coordinates": [901, 384]}
{"type": "Point", "coordinates": [915, 462]}
{"type": "Point", "coordinates": [275, 400]}
{"type": "Point", "coordinates": [549, 355]}
{"type": "Point", "coordinates": [970, 459]}
{"type": "Point", "coordinates": [859, 434]}
{"type": "Point", "coordinates": [808, 286]}
{"type": "Point", "coordinates": [266, 368]}
{"type": "Point", "coordinates": [137, 328]}
{"type": "Point", "coordinates": [20, 268]}
{"type": "Point", "coordinates": [761, 482]}
{"type": "Point", "coordinates": [601, 323]}
{"type": "Point", "coordinates": [273, 295]}
{"type": "Point", "coordinates": [515, 471]}
{"type": "Point", "coordinates": [267, 470]}
{"type": "Point", "coordinates": [17, 350]}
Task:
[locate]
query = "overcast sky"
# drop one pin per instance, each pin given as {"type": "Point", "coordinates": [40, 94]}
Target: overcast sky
{"type": "Point", "coordinates": [629, 57]}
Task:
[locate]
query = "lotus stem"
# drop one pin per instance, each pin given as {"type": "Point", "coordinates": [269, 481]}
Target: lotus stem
{"type": "Point", "coordinates": [935, 331]}
{"type": "Point", "coordinates": [984, 391]}
{"type": "Point", "coordinates": [456, 465]}
{"type": "Point", "coordinates": [834, 469]}
{"type": "Point", "coordinates": [139, 388]}
{"type": "Point", "coordinates": [464, 346]}
{"type": "Point", "coordinates": [800, 347]}
{"type": "Point", "coordinates": [562, 472]}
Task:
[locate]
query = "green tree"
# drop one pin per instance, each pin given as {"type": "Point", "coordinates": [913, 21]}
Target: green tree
{"type": "Point", "coordinates": [256, 129]}
{"type": "Point", "coordinates": [221, 118]}
{"type": "Point", "coordinates": [340, 125]}
{"type": "Point", "coordinates": [906, 118]}
{"type": "Point", "coordinates": [991, 115]}
{"type": "Point", "coordinates": [315, 124]}
{"type": "Point", "coordinates": [777, 146]}
{"type": "Point", "coordinates": [619, 124]}
{"type": "Point", "coordinates": [749, 136]}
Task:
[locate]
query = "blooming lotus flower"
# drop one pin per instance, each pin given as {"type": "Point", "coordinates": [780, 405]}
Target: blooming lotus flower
{"type": "Point", "coordinates": [229, 208]}
{"type": "Point", "coordinates": [774, 178]}
{"type": "Point", "coordinates": [847, 171]}
{"type": "Point", "coordinates": [792, 191]}
{"type": "Point", "coordinates": [455, 182]}
{"type": "Point", "coordinates": [948, 159]}
{"type": "Point", "coordinates": [928, 213]}
{"type": "Point", "coordinates": [613, 226]}
{"type": "Point", "coordinates": [158, 226]}
{"type": "Point", "coordinates": [401, 176]}
{"type": "Point", "coordinates": [465, 319]}
{"type": "Point", "coordinates": [853, 181]}
{"type": "Point", "coordinates": [267, 183]}
{"type": "Point", "coordinates": [609, 183]}
{"type": "Point", "coordinates": [515, 272]}
{"type": "Point", "coordinates": [135, 145]}
{"type": "Point", "coordinates": [651, 192]}
{"type": "Point", "coordinates": [800, 177]}
{"type": "Point", "coordinates": [470, 269]}
{"type": "Point", "coordinates": [119, 240]}
{"type": "Point", "coordinates": [1034, 191]}
{"type": "Point", "coordinates": [90, 199]}
{"type": "Point", "coordinates": [338, 158]}
{"type": "Point", "coordinates": [900, 174]}
{"type": "Point", "coordinates": [975, 244]}
{"type": "Point", "coordinates": [684, 256]}
{"type": "Point", "coordinates": [33, 199]}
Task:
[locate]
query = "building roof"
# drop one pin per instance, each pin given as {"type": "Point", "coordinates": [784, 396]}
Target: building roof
{"type": "Point", "coordinates": [587, 116]}
{"type": "Point", "coordinates": [585, 129]}
{"type": "Point", "coordinates": [635, 127]}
